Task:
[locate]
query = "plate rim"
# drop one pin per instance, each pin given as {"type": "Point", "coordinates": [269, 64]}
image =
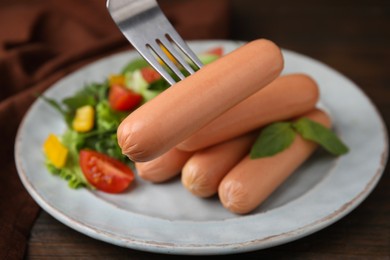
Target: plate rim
{"type": "Point", "coordinates": [153, 246]}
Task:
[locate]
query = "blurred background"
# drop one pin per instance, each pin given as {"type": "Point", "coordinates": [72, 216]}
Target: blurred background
{"type": "Point", "coordinates": [351, 36]}
{"type": "Point", "coordinates": [42, 41]}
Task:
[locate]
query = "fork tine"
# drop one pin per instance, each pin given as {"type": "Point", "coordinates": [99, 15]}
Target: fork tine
{"type": "Point", "coordinates": [175, 37]}
{"type": "Point", "coordinates": [169, 46]}
{"type": "Point", "coordinates": [162, 55]}
{"type": "Point", "coordinates": [148, 56]}
{"type": "Point", "coordinates": [147, 28]}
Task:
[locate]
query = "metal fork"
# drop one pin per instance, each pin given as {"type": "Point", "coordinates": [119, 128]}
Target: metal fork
{"type": "Point", "coordinates": [149, 31]}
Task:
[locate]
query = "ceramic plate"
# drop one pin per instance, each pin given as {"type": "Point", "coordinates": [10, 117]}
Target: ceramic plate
{"type": "Point", "coordinates": [166, 218]}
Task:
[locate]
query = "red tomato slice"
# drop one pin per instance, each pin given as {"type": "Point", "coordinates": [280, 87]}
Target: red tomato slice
{"type": "Point", "coordinates": [150, 75]}
{"type": "Point", "coordinates": [123, 99]}
{"type": "Point", "coordinates": [216, 51]}
{"type": "Point", "coordinates": [105, 173]}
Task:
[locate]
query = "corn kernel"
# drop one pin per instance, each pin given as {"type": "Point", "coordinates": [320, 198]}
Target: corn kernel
{"type": "Point", "coordinates": [84, 119]}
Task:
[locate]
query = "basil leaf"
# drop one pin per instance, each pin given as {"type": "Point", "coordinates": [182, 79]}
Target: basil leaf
{"type": "Point", "coordinates": [316, 132]}
{"type": "Point", "coordinates": [273, 139]}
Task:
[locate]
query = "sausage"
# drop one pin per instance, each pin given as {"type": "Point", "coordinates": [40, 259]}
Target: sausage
{"type": "Point", "coordinates": [164, 167]}
{"type": "Point", "coordinates": [286, 97]}
{"type": "Point", "coordinates": [203, 172]}
{"type": "Point", "coordinates": [251, 181]}
{"type": "Point", "coordinates": [185, 107]}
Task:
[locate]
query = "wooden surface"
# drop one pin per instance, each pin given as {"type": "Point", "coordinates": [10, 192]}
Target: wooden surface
{"type": "Point", "coordinates": [354, 39]}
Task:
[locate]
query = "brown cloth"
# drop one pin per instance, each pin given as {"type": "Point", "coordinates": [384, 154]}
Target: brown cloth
{"type": "Point", "coordinates": [42, 41]}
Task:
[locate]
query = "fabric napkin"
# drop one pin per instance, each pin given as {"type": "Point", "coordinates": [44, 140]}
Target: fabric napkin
{"type": "Point", "coordinates": [41, 42]}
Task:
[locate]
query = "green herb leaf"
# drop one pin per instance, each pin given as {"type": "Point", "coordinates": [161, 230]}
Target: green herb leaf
{"type": "Point", "coordinates": [74, 180]}
{"type": "Point", "coordinates": [316, 132]}
{"type": "Point", "coordinates": [106, 118]}
{"type": "Point", "coordinates": [91, 94]}
{"type": "Point", "coordinates": [53, 103]}
{"type": "Point", "coordinates": [73, 103]}
{"type": "Point", "coordinates": [135, 65]}
{"type": "Point", "coordinates": [159, 85]}
{"type": "Point", "coordinates": [273, 139]}
{"type": "Point", "coordinates": [72, 172]}
{"type": "Point", "coordinates": [68, 115]}
{"type": "Point", "coordinates": [97, 90]}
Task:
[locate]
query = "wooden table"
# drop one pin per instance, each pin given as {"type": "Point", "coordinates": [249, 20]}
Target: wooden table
{"type": "Point", "coordinates": [354, 39]}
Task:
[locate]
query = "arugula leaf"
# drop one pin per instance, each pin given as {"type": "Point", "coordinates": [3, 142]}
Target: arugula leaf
{"type": "Point", "coordinates": [91, 94]}
{"type": "Point", "coordinates": [67, 115]}
{"type": "Point", "coordinates": [107, 143]}
{"type": "Point", "coordinates": [97, 90]}
{"type": "Point", "coordinates": [135, 65]}
{"type": "Point", "coordinates": [316, 132]}
{"type": "Point", "coordinates": [73, 103]}
{"type": "Point", "coordinates": [273, 139]}
{"type": "Point", "coordinates": [159, 85]}
{"type": "Point", "coordinates": [53, 103]}
{"type": "Point", "coordinates": [104, 138]}
{"type": "Point", "coordinates": [104, 141]}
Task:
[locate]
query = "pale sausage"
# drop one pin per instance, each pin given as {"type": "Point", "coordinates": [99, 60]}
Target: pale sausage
{"type": "Point", "coordinates": [164, 167]}
{"type": "Point", "coordinates": [251, 181]}
{"type": "Point", "coordinates": [185, 107]}
{"type": "Point", "coordinates": [203, 172]}
{"type": "Point", "coordinates": [287, 96]}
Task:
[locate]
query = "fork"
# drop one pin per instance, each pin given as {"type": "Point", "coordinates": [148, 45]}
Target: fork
{"type": "Point", "coordinates": [152, 35]}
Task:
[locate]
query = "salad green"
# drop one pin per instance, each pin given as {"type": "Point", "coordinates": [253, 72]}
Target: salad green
{"type": "Point", "coordinates": [108, 113]}
{"type": "Point", "coordinates": [102, 138]}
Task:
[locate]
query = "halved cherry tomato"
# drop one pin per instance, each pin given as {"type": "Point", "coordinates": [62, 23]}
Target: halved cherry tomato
{"type": "Point", "coordinates": [105, 173]}
{"type": "Point", "coordinates": [216, 51]}
{"type": "Point", "coordinates": [150, 75]}
{"type": "Point", "coordinates": [123, 99]}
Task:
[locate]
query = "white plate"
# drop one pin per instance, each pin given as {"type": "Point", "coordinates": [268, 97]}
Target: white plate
{"type": "Point", "coordinates": [165, 218]}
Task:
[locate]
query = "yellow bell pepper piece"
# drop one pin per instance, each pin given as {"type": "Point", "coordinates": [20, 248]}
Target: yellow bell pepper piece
{"type": "Point", "coordinates": [84, 119]}
{"type": "Point", "coordinates": [169, 55]}
{"type": "Point", "coordinates": [116, 79]}
{"type": "Point", "coordinates": [55, 151]}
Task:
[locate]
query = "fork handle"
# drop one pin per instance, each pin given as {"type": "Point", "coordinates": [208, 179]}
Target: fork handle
{"type": "Point", "coordinates": [122, 9]}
